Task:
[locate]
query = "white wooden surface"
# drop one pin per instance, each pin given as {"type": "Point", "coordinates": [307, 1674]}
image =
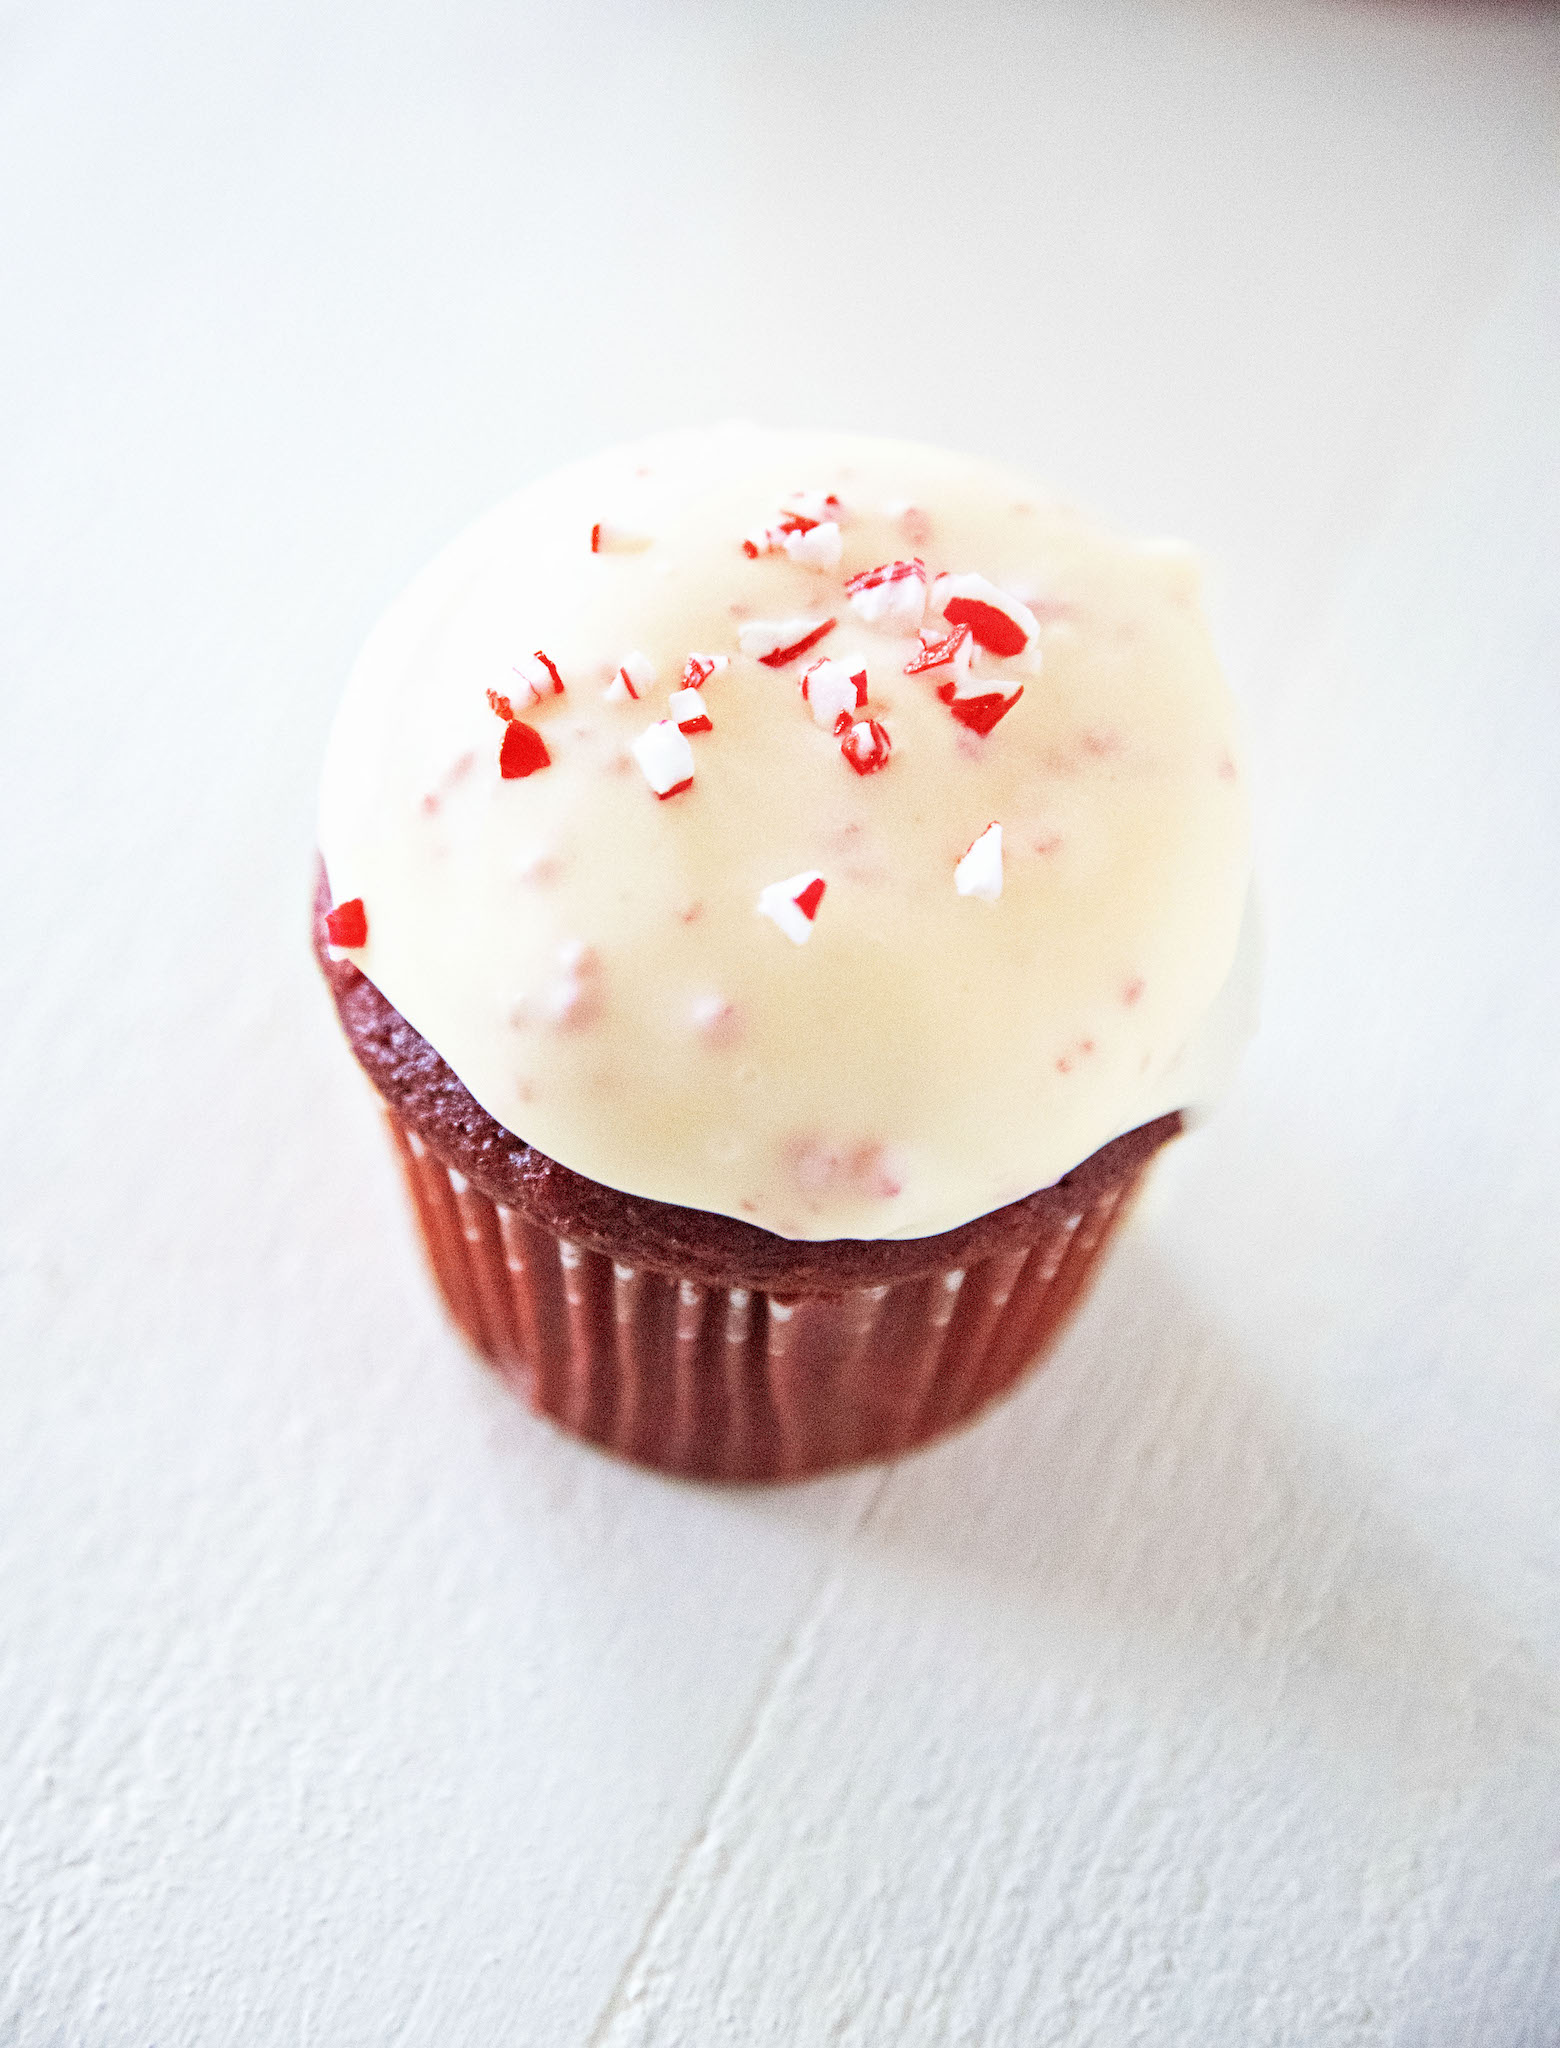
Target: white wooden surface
{"type": "Point", "coordinates": [1208, 1692]}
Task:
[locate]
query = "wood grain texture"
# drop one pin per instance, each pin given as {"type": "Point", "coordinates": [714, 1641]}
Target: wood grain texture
{"type": "Point", "coordinates": [1207, 1692]}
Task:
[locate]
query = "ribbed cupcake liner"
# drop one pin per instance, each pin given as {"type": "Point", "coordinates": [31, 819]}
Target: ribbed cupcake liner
{"type": "Point", "coordinates": [732, 1382]}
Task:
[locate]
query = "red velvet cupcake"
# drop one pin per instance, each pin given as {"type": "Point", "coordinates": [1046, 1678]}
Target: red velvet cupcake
{"type": "Point", "coordinates": [784, 890]}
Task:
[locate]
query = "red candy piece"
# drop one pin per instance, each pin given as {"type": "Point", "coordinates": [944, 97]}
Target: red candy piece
{"type": "Point", "coordinates": [938, 653]}
{"type": "Point", "coordinates": [981, 713]}
{"type": "Point", "coordinates": [781, 655]}
{"type": "Point", "coordinates": [523, 752]}
{"type": "Point", "coordinates": [807, 903]}
{"type": "Point", "coordinates": [595, 538]}
{"type": "Point", "coordinates": [866, 746]}
{"type": "Point", "coordinates": [557, 680]}
{"type": "Point", "coordinates": [501, 705]}
{"type": "Point", "coordinates": [347, 924]}
{"type": "Point", "coordinates": [993, 629]}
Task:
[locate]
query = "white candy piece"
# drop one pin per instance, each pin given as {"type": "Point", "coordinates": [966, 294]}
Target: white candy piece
{"type": "Point", "coordinates": [966, 685]}
{"type": "Point", "coordinates": [778, 903]}
{"type": "Point", "coordinates": [816, 546]}
{"type": "Point", "coordinates": [979, 873]}
{"type": "Point", "coordinates": [897, 604]}
{"type": "Point", "coordinates": [636, 675]}
{"type": "Point", "coordinates": [812, 505]}
{"type": "Point", "coordinates": [819, 547]}
{"type": "Point", "coordinates": [575, 957]}
{"type": "Point", "coordinates": [984, 592]}
{"type": "Point", "coordinates": [664, 755]}
{"type": "Point", "coordinates": [568, 1002]}
{"type": "Point", "coordinates": [715, 1019]}
{"type": "Point", "coordinates": [830, 689]}
{"type": "Point", "coordinates": [687, 707]}
{"type": "Point", "coordinates": [573, 997]}
{"type": "Point", "coordinates": [536, 864]}
{"type": "Point", "coordinates": [535, 682]}
{"type": "Point", "coordinates": [765, 636]}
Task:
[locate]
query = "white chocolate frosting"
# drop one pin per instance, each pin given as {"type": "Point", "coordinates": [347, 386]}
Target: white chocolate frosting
{"type": "Point", "coordinates": [645, 987]}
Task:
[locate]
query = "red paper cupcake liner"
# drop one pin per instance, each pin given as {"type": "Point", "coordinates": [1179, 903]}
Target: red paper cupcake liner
{"type": "Point", "coordinates": [732, 1382]}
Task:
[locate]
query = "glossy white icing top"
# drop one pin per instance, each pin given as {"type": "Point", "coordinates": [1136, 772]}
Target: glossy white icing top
{"type": "Point", "coordinates": [619, 978]}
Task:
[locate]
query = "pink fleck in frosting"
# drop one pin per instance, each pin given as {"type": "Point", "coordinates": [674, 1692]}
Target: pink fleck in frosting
{"type": "Point", "coordinates": [966, 829]}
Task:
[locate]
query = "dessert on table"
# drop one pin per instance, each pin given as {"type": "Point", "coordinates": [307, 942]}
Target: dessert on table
{"type": "Point", "coordinates": [785, 889]}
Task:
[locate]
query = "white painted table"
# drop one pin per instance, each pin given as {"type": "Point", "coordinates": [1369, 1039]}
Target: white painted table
{"type": "Point", "coordinates": [1209, 1691]}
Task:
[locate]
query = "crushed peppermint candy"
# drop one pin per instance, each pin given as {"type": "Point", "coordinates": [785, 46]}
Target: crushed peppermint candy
{"type": "Point", "coordinates": [698, 669]}
{"type": "Point", "coordinates": [866, 746]}
{"type": "Point", "coordinates": [347, 924]}
{"type": "Point", "coordinates": [636, 675]}
{"type": "Point", "coordinates": [812, 507]}
{"type": "Point", "coordinates": [971, 699]}
{"type": "Point", "coordinates": [574, 996]}
{"type": "Point", "coordinates": [999, 622]}
{"type": "Point", "coordinates": [522, 752]}
{"type": "Point", "coordinates": [912, 520]}
{"type": "Point", "coordinates": [816, 547]}
{"type": "Point", "coordinates": [979, 710]}
{"type": "Point", "coordinates": [608, 538]}
{"type": "Point", "coordinates": [688, 711]}
{"type": "Point", "coordinates": [893, 595]}
{"type": "Point", "coordinates": [665, 757]}
{"type": "Point", "coordinates": [802, 513]}
{"type": "Point", "coordinates": [955, 650]}
{"type": "Point", "coordinates": [774, 642]}
{"type": "Point", "coordinates": [979, 872]}
{"type": "Point", "coordinates": [869, 1168]}
{"type": "Point", "coordinates": [541, 679]}
{"type": "Point", "coordinates": [832, 692]}
{"type": "Point", "coordinates": [717, 1021]}
{"type": "Point", "coordinates": [794, 904]}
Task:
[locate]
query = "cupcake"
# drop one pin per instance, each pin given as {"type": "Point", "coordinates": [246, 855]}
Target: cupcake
{"type": "Point", "coordinates": [784, 889]}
